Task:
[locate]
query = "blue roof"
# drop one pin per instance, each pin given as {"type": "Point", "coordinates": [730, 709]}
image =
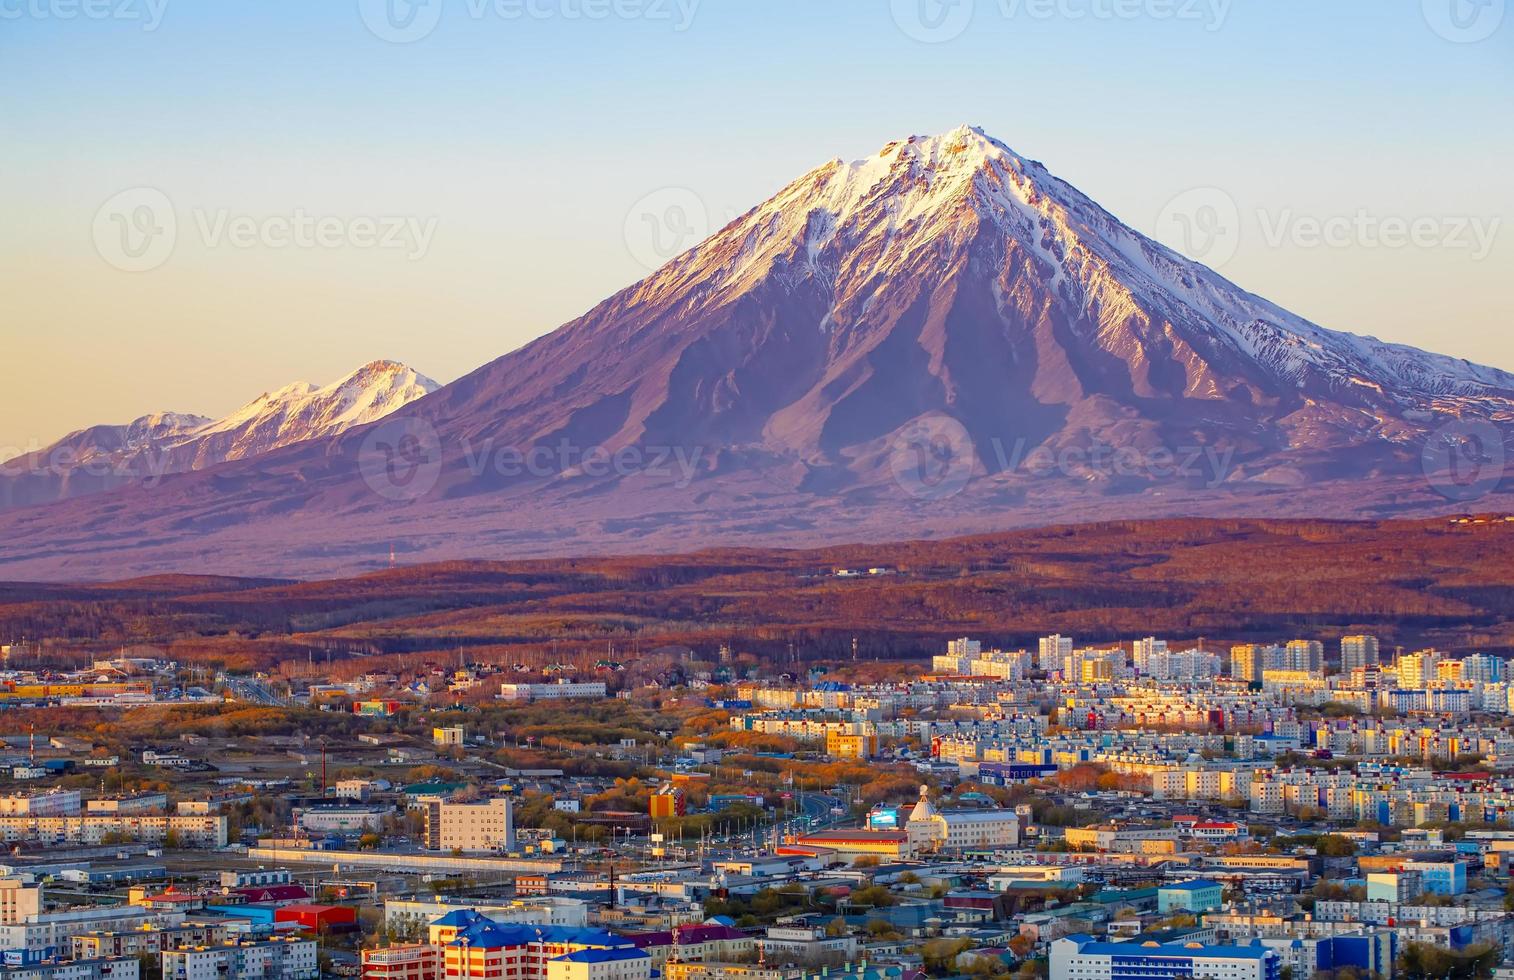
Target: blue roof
{"type": "Point", "coordinates": [1087, 946]}
{"type": "Point", "coordinates": [604, 955]}
{"type": "Point", "coordinates": [1193, 885]}
{"type": "Point", "coordinates": [459, 918]}
{"type": "Point", "coordinates": [485, 933]}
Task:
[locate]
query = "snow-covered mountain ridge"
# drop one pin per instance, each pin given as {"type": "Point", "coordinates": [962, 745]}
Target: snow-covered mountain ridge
{"type": "Point", "coordinates": [103, 456]}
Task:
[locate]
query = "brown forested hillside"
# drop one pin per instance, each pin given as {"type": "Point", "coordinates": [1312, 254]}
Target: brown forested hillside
{"type": "Point", "coordinates": [1411, 582]}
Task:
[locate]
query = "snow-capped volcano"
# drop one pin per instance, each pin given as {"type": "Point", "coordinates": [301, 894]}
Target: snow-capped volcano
{"type": "Point", "coordinates": [944, 305]}
{"type": "Point", "coordinates": [948, 275]}
{"type": "Point", "coordinates": [106, 456]}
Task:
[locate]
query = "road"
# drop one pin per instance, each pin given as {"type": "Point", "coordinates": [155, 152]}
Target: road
{"type": "Point", "coordinates": [254, 691]}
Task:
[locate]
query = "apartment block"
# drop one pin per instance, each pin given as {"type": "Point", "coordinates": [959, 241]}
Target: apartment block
{"type": "Point", "coordinates": [470, 827]}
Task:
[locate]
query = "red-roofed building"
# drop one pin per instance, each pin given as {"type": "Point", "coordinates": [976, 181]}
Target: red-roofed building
{"type": "Point", "coordinates": [1210, 831]}
{"type": "Point", "coordinates": [273, 894]}
{"type": "Point", "coordinates": [715, 943]}
{"type": "Point", "coordinates": [319, 918]}
{"type": "Point", "coordinates": [892, 844]}
{"type": "Point", "coordinates": [169, 900]}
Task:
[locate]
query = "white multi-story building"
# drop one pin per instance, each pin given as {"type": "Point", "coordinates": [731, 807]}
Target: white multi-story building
{"type": "Point", "coordinates": [1079, 957]}
{"type": "Point", "coordinates": [561, 689]}
{"type": "Point", "coordinates": [41, 930]}
{"type": "Point", "coordinates": [805, 944]}
{"type": "Point", "coordinates": [960, 830]}
{"type": "Point", "coordinates": [92, 828]}
{"type": "Point", "coordinates": [125, 805]}
{"type": "Point", "coordinates": [270, 959]}
{"type": "Point", "coordinates": [1359, 651]}
{"type": "Point", "coordinates": [1181, 665]}
{"type": "Point", "coordinates": [1143, 650]}
{"type": "Point", "coordinates": [53, 803]}
{"type": "Point", "coordinates": [1304, 655]}
{"type": "Point", "coordinates": [1052, 651]}
{"type": "Point", "coordinates": [1483, 667]}
{"type": "Point", "coordinates": [112, 968]}
{"type": "Point", "coordinates": [601, 964]}
{"type": "Point", "coordinates": [256, 878]}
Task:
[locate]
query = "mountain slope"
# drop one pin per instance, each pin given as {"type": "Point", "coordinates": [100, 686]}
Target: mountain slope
{"type": "Point", "coordinates": [943, 337]}
{"type": "Point", "coordinates": [106, 456]}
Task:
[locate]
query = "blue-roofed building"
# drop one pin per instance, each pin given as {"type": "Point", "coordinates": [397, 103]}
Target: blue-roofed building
{"type": "Point", "coordinates": [1197, 895]}
{"type": "Point", "coordinates": [475, 946]}
{"type": "Point", "coordinates": [1080, 957]}
{"type": "Point", "coordinates": [601, 964]}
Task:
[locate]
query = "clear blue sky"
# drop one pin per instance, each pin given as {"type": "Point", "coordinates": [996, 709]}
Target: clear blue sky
{"type": "Point", "coordinates": [526, 141]}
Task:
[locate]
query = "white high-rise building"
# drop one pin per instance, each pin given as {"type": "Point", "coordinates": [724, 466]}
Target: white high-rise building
{"type": "Point", "coordinates": [1484, 667]}
{"type": "Point", "coordinates": [964, 647]}
{"type": "Point", "coordinates": [1144, 650]}
{"type": "Point", "coordinates": [1183, 665]}
{"type": "Point", "coordinates": [1053, 652]}
{"type": "Point", "coordinates": [1417, 669]}
{"type": "Point", "coordinates": [1358, 651]}
{"type": "Point", "coordinates": [1304, 655]}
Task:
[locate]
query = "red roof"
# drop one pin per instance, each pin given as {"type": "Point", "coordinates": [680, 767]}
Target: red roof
{"type": "Point", "coordinates": [689, 935]}
{"type": "Point", "coordinates": [856, 837]}
{"type": "Point", "coordinates": [273, 893]}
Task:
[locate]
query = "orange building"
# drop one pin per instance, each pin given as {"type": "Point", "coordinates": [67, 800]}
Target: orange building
{"type": "Point", "coordinates": [668, 801]}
